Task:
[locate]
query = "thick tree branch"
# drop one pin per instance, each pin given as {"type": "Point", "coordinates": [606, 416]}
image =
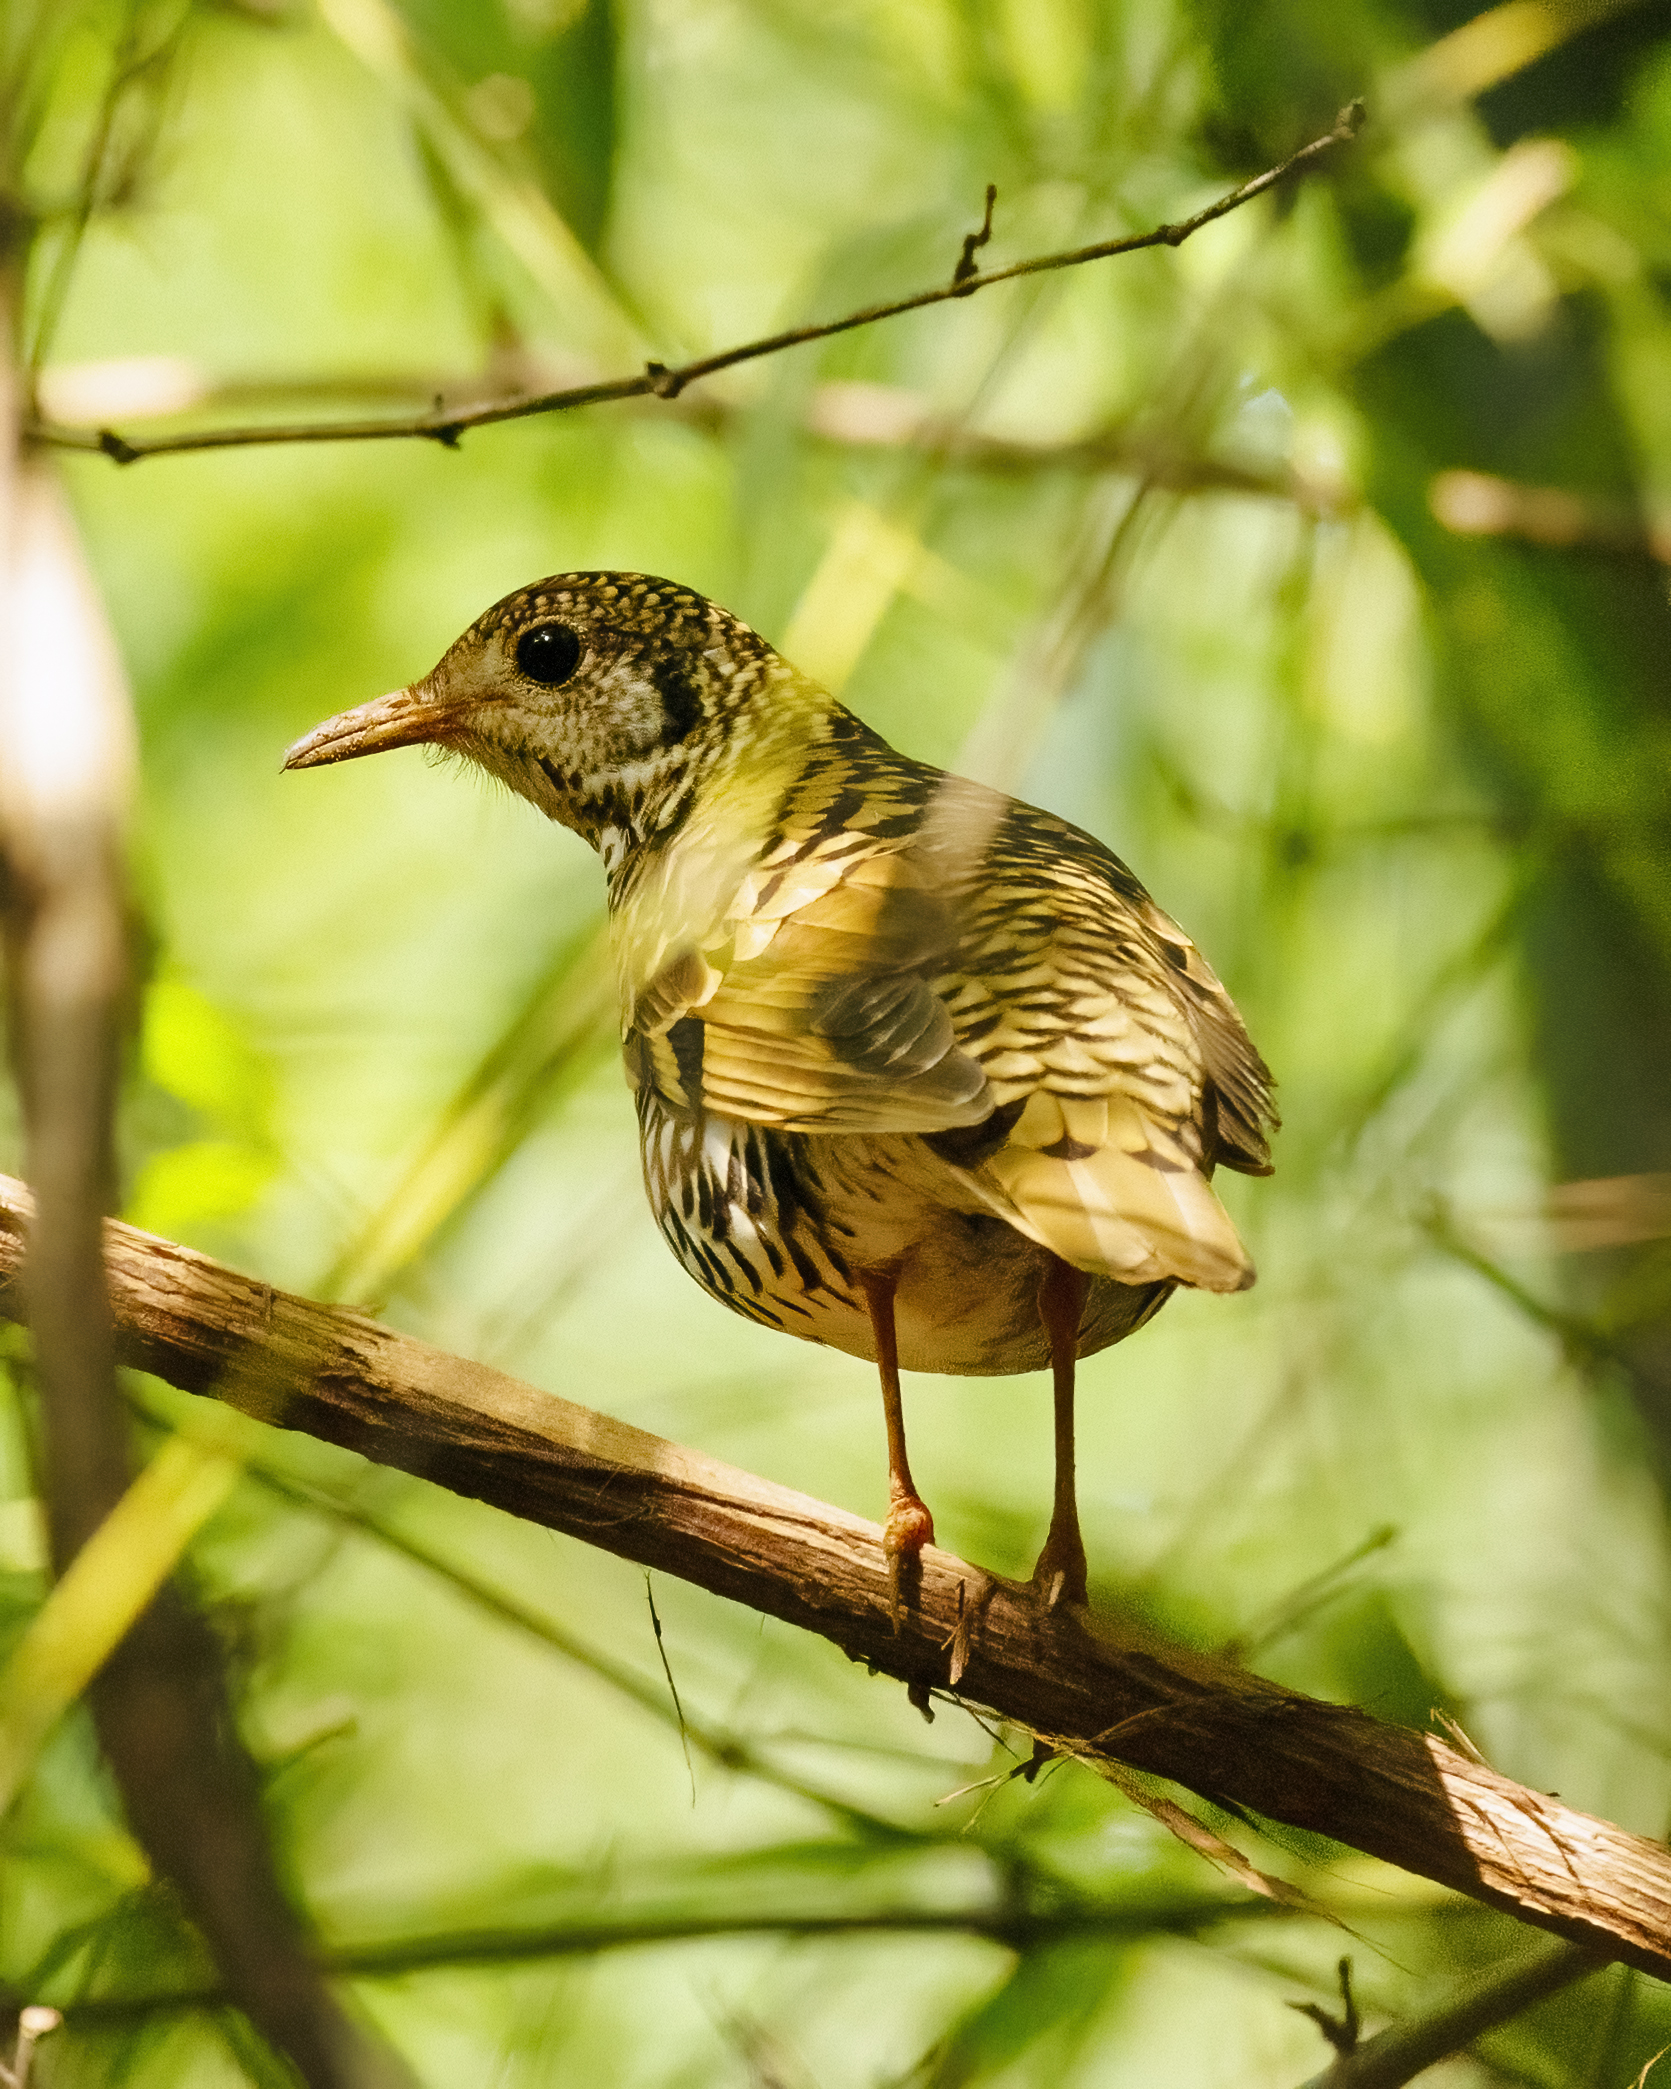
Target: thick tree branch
{"type": "Point", "coordinates": [665, 382]}
{"type": "Point", "coordinates": [1116, 1689]}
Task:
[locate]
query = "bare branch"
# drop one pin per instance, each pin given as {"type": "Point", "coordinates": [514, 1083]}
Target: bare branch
{"type": "Point", "coordinates": [661, 381]}
{"type": "Point", "coordinates": [1106, 1686]}
{"type": "Point", "coordinates": [1403, 2051]}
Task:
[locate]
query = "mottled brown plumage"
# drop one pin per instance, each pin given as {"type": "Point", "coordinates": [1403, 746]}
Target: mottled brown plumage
{"type": "Point", "coordinates": [918, 1068]}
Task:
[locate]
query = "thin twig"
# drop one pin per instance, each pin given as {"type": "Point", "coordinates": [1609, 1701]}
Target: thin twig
{"type": "Point", "coordinates": [672, 1687]}
{"type": "Point", "coordinates": [663, 381]}
{"type": "Point", "coordinates": [968, 268]}
{"type": "Point", "coordinates": [847, 414]}
{"type": "Point", "coordinates": [1403, 2051]}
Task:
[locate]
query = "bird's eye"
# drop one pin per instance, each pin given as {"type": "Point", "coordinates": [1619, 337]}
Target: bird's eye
{"type": "Point", "coordinates": [549, 653]}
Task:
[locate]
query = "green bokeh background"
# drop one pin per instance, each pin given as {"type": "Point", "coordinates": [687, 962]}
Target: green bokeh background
{"type": "Point", "coordinates": [1157, 544]}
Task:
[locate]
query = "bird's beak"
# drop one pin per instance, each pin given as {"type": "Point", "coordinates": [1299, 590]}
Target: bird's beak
{"type": "Point", "coordinates": [403, 718]}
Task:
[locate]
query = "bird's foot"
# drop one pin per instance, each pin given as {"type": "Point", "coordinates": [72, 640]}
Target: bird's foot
{"type": "Point", "coordinates": [1060, 1576]}
{"type": "Point", "coordinates": [908, 1529]}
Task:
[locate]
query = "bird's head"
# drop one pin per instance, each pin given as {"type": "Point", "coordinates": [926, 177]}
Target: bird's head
{"type": "Point", "coordinates": [603, 698]}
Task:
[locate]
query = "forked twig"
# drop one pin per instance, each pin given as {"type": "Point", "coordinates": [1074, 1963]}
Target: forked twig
{"type": "Point", "coordinates": [1403, 2051]}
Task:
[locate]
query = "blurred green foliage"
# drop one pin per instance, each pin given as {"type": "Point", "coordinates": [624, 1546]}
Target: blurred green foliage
{"type": "Point", "coordinates": [1318, 565]}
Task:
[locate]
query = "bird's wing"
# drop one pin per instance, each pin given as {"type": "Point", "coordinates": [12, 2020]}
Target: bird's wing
{"type": "Point", "coordinates": [977, 972]}
{"type": "Point", "coordinates": [1116, 1060]}
{"type": "Point", "coordinates": [812, 1008]}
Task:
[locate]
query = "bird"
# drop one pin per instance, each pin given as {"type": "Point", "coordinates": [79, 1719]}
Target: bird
{"type": "Point", "coordinates": [922, 1072]}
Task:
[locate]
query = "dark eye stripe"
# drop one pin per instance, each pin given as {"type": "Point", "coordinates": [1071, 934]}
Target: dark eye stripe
{"type": "Point", "coordinates": [681, 701]}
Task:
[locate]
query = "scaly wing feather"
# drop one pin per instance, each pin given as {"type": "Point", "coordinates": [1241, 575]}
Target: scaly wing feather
{"type": "Point", "coordinates": [806, 1012]}
{"type": "Point", "coordinates": [941, 960]}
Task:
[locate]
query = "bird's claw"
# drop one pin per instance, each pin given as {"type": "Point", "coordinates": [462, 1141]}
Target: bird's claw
{"type": "Point", "coordinates": [908, 1529]}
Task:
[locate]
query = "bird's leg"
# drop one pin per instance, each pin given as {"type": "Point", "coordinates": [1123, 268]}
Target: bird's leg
{"type": "Point", "coordinates": [909, 1526]}
{"type": "Point", "coordinates": [1060, 1573]}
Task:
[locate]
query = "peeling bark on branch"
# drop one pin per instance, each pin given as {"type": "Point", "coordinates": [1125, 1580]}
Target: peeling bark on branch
{"type": "Point", "coordinates": [1115, 1689]}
